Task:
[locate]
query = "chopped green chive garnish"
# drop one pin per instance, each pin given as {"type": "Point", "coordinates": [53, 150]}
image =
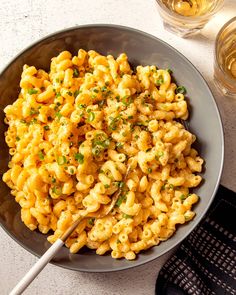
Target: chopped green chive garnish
{"type": "Point", "coordinates": [120, 200]}
{"type": "Point", "coordinates": [106, 143]}
{"type": "Point", "coordinates": [33, 121]}
{"type": "Point", "coordinates": [126, 100]}
{"type": "Point", "coordinates": [82, 106]}
{"type": "Point", "coordinates": [32, 91]}
{"type": "Point", "coordinates": [126, 216]}
{"type": "Point", "coordinates": [181, 89]}
{"type": "Point", "coordinates": [182, 197]}
{"type": "Point", "coordinates": [59, 115]}
{"type": "Point", "coordinates": [75, 73]}
{"type": "Point", "coordinates": [69, 93]}
{"type": "Point", "coordinates": [103, 89]}
{"type": "Point", "coordinates": [119, 145]}
{"type": "Point", "coordinates": [79, 157]}
{"type": "Point", "coordinates": [112, 126]}
{"type": "Point", "coordinates": [61, 160]}
{"type": "Point", "coordinates": [71, 170]}
{"type": "Point", "coordinates": [114, 122]}
{"type": "Point", "coordinates": [46, 127]}
{"type": "Point", "coordinates": [159, 81]}
{"type": "Point", "coordinates": [76, 93]}
{"type": "Point", "coordinates": [158, 155]}
{"type": "Point", "coordinates": [91, 221]}
{"type": "Point", "coordinates": [163, 187]}
{"type": "Point", "coordinates": [100, 143]}
{"type": "Point", "coordinates": [149, 170]}
{"type": "Point", "coordinates": [106, 185]}
{"type": "Point", "coordinates": [91, 117]}
{"type": "Point", "coordinates": [33, 112]}
{"type": "Point", "coordinates": [96, 150]}
{"type": "Point", "coordinates": [17, 138]}
{"type": "Point", "coordinates": [41, 155]}
{"type": "Point", "coordinates": [57, 190]}
{"type": "Point", "coordinates": [121, 184]}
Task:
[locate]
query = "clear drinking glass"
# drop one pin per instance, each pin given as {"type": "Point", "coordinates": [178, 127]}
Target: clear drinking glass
{"type": "Point", "coordinates": [187, 17]}
{"type": "Point", "coordinates": [225, 59]}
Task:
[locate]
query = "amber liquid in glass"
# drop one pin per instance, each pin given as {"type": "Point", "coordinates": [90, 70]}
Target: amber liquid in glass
{"type": "Point", "coordinates": [190, 7]}
{"type": "Point", "coordinates": [227, 55]}
{"type": "Point", "coordinates": [225, 60]}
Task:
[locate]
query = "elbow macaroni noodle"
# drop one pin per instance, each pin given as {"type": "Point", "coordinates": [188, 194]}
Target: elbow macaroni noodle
{"type": "Point", "coordinates": [72, 133]}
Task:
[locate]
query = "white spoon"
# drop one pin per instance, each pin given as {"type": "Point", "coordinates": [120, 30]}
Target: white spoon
{"type": "Point", "coordinates": [51, 252]}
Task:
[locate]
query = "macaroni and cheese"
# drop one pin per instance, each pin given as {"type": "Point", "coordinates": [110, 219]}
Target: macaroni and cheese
{"type": "Point", "coordinates": [74, 130]}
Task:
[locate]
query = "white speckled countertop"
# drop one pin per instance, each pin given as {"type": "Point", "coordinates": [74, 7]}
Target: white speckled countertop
{"type": "Point", "coordinates": [21, 23]}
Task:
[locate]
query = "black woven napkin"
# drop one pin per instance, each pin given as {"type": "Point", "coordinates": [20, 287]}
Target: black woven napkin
{"type": "Point", "coordinates": [205, 263]}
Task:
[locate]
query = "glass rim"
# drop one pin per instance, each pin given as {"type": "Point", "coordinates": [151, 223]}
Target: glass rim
{"type": "Point", "coordinates": [229, 22]}
{"type": "Point", "coordinates": [187, 18]}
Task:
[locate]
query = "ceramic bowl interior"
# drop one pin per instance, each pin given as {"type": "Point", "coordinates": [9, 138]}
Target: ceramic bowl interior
{"type": "Point", "coordinates": [143, 49]}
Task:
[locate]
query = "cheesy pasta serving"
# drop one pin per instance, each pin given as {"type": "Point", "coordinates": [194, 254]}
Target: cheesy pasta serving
{"type": "Point", "coordinates": [74, 131]}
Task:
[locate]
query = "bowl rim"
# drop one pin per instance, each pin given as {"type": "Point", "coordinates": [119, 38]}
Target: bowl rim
{"type": "Point", "coordinates": [126, 28]}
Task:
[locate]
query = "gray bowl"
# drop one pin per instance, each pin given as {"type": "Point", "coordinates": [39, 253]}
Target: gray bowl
{"type": "Point", "coordinates": [142, 49]}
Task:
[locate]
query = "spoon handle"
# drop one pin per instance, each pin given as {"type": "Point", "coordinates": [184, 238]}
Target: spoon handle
{"type": "Point", "coordinates": [36, 269]}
